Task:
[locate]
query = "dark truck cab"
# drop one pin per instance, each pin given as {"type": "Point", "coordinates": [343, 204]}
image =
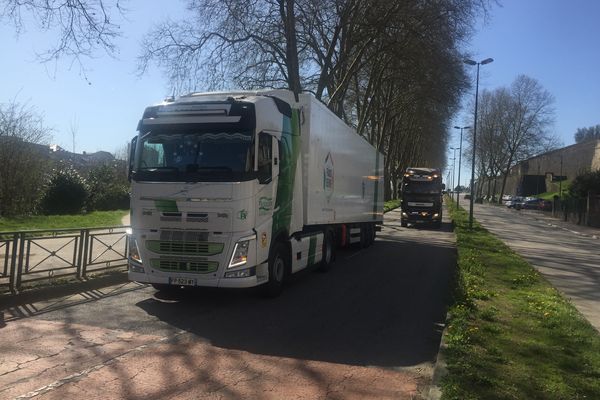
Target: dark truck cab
{"type": "Point", "coordinates": [421, 199]}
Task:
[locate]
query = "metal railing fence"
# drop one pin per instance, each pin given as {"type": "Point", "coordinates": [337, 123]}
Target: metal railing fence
{"type": "Point", "coordinates": [36, 255]}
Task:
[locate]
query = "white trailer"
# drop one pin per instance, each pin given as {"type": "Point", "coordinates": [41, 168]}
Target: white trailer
{"type": "Point", "coordinates": [242, 189]}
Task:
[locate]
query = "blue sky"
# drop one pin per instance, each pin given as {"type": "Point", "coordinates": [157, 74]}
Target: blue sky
{"type": "Point", "coordinates": [553, 41]}
{"type": "Point", "coordinates": [107, 108]}
{"type": "Point", "coordinates": [556, 42]}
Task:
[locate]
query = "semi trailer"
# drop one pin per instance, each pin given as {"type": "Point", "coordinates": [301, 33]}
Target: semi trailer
{"type": "Point", "coordinates": [243, 189]}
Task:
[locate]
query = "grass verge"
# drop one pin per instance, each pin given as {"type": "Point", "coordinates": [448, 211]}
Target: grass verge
{"type": "Point", "coordinates": [511, 335]}
{"type": "Point", "coordinates": [390, 205]}
{"type": "Point", "coordinates": [89, 220]}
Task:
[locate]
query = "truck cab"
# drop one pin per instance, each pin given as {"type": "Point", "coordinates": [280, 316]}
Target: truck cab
{"type": "Point", "coordinates": [241, 189]}
{"type": "Point", "coordinates": [421, 197]}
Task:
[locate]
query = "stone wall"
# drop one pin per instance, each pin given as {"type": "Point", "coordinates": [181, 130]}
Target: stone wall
{"type": "Point", "coordinates": [575, 159]}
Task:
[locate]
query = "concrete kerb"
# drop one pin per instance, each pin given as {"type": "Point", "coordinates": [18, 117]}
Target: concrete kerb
{"type": "Point", "coordinates": [54, 291]}
{"type": "Point", "coordinates": [440, 369]}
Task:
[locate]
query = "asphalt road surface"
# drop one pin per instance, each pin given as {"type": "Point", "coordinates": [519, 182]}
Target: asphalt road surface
{"type": "Point", "coordinates": [571, 262]}
{"type": "Point", "coordinates": [368, 329]}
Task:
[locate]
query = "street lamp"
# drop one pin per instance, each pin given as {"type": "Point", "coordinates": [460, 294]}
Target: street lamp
{"type": "Point", "coordinates": [453, 166]}
{"type": "Point", "coordinates": [561, 178]}
{"type": "Point", "coordinates": [459, 160]}
{"type": "Point", "coordinates": [471, 62]}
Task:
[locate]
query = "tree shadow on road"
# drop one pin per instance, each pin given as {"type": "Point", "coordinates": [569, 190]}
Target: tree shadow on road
{"type": "Point", "coordinates": [383, 306]}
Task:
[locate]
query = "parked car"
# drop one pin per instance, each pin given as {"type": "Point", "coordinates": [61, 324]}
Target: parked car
{"type": "Point", "coordinates": [531, 203]}
{"type": "Point", "coordinates": [513, 202]}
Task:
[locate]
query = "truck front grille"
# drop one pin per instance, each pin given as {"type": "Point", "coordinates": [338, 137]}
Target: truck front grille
{"type": "Point", "coordinates": [188, 248]}
{"type": "Point", "coordinates": [197, 267]}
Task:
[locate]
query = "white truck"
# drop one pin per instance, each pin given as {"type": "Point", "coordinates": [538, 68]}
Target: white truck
{"type": "Point", "coordinates": [243, 189]}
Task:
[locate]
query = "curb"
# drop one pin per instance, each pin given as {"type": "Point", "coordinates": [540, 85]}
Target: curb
{"type": "Point", "coordinates": [440, 369]}
{"type": "Point", "coordinates": [49, 292]}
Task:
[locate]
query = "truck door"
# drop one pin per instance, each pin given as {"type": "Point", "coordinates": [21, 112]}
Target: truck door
{"type": "Point", "coordinates": [268, 173]}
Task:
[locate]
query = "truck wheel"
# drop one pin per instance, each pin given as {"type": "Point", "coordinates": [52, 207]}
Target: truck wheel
{"type": "Point", "coordinates": [403, 223]}
{"type": "Point", "coordinates": [368, 228]}
{"type": "Point", "coordinates": [372, 233]}
{"type": "Point", "coordinates": [328, 252]}
{"type": "Point", "coordinates": [277, 271]}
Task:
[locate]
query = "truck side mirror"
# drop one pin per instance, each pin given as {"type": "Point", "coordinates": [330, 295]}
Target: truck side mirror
{"type": "Point", "coordinates": [131, 158]}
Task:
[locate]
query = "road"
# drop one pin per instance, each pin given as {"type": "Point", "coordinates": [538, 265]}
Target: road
{"type": "Point", "coordinates": [570, 261]}
{"type": "Point", "coordinates": [369, 328]}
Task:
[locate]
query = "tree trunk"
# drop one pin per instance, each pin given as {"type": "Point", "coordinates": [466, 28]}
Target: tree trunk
{"type": "Point", "coordinates": [291, 49]}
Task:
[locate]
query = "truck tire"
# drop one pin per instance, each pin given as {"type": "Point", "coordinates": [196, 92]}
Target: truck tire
{"type": "Point", "coordinates": [403, 223]}
{"type": "Point", "coordinates": [277, 271]}
{"type": "Point", "coordinates": [372, 233]}
{"type": "Point", "coordinates": [368, 228]}
{"type": "Point", "coordinates": [328, 251]}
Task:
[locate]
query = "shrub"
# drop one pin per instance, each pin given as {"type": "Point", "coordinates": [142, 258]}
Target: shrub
{"type": "Point", "coordinates": [585, 183]}
{"type": "Point", "coordinates": [66, 192]}
{"type": "Point", "coordinates": [109, 190]}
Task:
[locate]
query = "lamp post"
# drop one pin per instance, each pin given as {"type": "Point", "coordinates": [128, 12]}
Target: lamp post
{"type": "Point", "coordinates": [459, 160]}
{"type": "Point", "coordinates": [471, 62]}
{"type": "Point", "coordinates": [561, 178]}
{"type": "Point", "coordinates": [453, 166]}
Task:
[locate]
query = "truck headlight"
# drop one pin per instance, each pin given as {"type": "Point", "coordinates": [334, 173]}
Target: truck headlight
{"type": "Point", "coordinates": [240, 251]}
{"type": "Point", "coordinates": [134, 252]}
{"type": "Point", "coordinates": [240, 254]}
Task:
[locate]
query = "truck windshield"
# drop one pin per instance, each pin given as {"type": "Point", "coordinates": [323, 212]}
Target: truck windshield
{"type": "Point", "coordinates": [187, 155]}
{"type": "Point", "coordinates": [421, 187]}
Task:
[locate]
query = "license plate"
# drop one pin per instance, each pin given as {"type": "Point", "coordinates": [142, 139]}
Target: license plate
{"type": "Point", "coordinates": [182, 281]}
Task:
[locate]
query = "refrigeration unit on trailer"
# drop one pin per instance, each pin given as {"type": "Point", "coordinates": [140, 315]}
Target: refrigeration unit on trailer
{"type": "Point", "coordinates": [242, 189]}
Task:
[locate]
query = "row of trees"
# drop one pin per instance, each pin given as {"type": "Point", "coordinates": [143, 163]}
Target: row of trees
{"type": "Point", "coordinates": [585, 134]}
{"type": "Point", "coordinates": [392, 69]}
{"type": "Point", "coordinates": [513, 124]}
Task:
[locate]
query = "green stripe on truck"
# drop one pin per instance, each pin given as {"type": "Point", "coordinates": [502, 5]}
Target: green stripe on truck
{"type": "Point", "coordinates": [166, 205]}
{"type": "Point", "coordinates": [290, 140]}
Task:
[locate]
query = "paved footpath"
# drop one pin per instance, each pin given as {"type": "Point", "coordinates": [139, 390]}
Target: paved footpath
{"type": "Point", "coordinates": [566, 254]}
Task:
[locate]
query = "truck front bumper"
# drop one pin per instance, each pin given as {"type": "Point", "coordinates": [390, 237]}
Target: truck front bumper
{"type": "Point", "coordinates": [257, 276]}
{"type": "Point", "coordinates": [421, 216]}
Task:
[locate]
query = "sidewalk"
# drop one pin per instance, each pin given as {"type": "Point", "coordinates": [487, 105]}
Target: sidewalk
{"type": "Point", "coordinates": [126, 220]}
